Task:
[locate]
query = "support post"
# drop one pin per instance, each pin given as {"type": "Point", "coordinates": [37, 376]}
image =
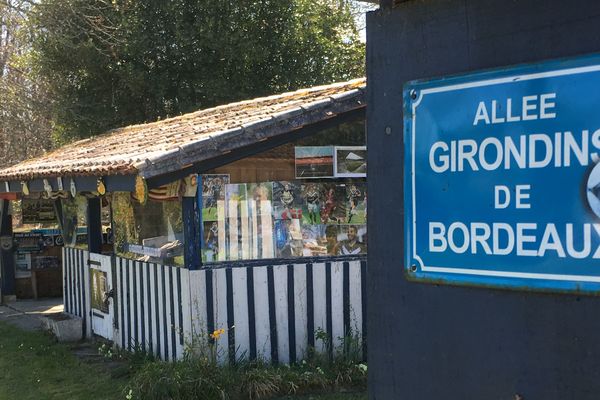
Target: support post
{"type": "Point", "coordinates": [7, 257]}
{"type": "Point", "coordinates": [191, 237]}
{"type": "Point", "coordinates": [94, 225]}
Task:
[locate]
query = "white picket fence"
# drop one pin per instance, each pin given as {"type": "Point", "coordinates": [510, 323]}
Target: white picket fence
{"type": "Point", "coordinates": [269, 312]}
{"type": "Point", "coordinates": [76, 286]}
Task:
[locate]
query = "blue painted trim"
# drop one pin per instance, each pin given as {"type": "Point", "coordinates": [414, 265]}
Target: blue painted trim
{"type": "Point", "coordinates": [121, 302]}
{"type": "Point", "coordinates": [94, 225]}
{"type": "Point", "coordinates": [136, 338]}
{"type": "Point", "coordinates": [363, 302]}
{"type": "Point", "coordinates": [210, 312]}
{"type": "Point", "coordinates": [251, 312]}
{"type": "Point", "coordinates": [128, 286]}
{"type": "Point", "coordinates": [191, 240]}
{"type": "Point", "coordinates": [329, 310]}
{"type": "Point", "coordinates": [310, 306]}
{"type": "Point", "coordinates": [180, 307]}
{"type": "Point", "coordinates": [142, 306]}
{"type": "Point", "coordinates": [230, 316]}
{"type": "Point", "coordinates": [291, 314]}
{"type": "Point", "coordinates": [7, 256]}
{"type": "Point", "coordinates": [281, 261]}
{"type": "Point", "coordinates": [346, 302]}
{"type": "Point", "coordinates": [157, 308]}
{"type": "Point", "coordinates": [272, 315]}
{"type": "Point", "coordinates": [172, 326]}
{"type": "Point", "coordinates": [164, 316]}
{"type": "Point", "coordinates": [149, 301]}
{"type": "Point", "coordinates": [199, 206]}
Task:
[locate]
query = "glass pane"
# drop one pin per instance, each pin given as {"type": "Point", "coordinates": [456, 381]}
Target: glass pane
{"type": "Point", "coordinates": [151, 232]}
{"type": "Point", "coordinates": [75, 222]}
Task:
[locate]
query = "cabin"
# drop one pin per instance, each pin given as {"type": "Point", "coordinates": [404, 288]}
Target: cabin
{"type": "Point", "coordinates": [242, 225]}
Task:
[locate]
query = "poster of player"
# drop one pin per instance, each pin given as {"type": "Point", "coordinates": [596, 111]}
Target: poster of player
{"type": "Point", "coordinates": [333, 207]}
{"type": "Point", "coordinates": [213, 196]}
{"type": "Point", "coordinates": [356, 203]}
{"type": "Point", "coordinates": [288, 238]}
{"type": "Point", "coordinates": [312, 199]}
{"type": "Point", "coordinates": [213, 246]}
{"type": "Point", "coordinates": [351, 240]}
{"type": "Point", "coordinates": [314, 240]}
{"type": "Point", "coordinates": [287, 200]}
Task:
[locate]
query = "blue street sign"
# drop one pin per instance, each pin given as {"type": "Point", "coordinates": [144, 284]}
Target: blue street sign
{"type": "Point", "coordinates": [502, 180]}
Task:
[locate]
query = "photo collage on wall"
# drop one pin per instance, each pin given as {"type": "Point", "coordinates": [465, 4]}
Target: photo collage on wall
{"type": "Point", "coordinates": [213, 217]}
{"type": "Point", "coordinates": [282, 219]}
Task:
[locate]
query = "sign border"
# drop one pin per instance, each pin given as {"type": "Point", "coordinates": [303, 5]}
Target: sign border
{"type": "Point", "coordinates": [413, 93]}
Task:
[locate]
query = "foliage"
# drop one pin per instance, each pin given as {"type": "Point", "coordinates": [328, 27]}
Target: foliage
{"type": "Point", "coordinates": [200, 376]}
{"type": "Point", "coordinates": [112, 63]}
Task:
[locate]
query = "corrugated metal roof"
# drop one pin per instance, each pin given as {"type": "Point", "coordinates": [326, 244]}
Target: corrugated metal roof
{"type": "Point", "coordinates": [160, 147]}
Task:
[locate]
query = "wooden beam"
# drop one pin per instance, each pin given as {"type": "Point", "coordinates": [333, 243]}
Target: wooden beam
{"type": "Point", "coordinates": [113, 183]}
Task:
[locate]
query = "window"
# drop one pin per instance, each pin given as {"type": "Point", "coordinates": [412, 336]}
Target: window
{"type": "Point", "coordinates": [148, 232]}
{"type": "Point", "coordinates": [288, 202]}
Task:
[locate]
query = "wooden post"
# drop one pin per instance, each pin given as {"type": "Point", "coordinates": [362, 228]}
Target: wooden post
{"type": "Point", "coordinates": [191, 220]}
{"type": "Point", "coordinates": [7, 257]}
{"type": "Point", "coordinates": [94, 226]}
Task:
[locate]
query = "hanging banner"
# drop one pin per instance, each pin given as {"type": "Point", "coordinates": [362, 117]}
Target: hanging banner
{"type": "Point", "coordinates": [502, 181]}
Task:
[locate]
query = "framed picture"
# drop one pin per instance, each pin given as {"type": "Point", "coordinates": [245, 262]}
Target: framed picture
{"type": "Point", "coordinates": [356, 203]}
{"type": "Point", "coordinates": [314, 162]}
{"type": "Point", "coordinates": [314, 240]}
{"type": "Point", "coordinates": [213, 196]}
{"type": "Point", "coordinates": [287, 200]}
{"type": "Point", "coordinates": [37, 211]}
{"type": "Point", "coordinates": [350, 161]}
{"type": "Point", "coordinates": [333, 204]}
{"type": "Point", "coordinates": [313, 198]}
{"type": "Point", "coordinates": [351, 240]}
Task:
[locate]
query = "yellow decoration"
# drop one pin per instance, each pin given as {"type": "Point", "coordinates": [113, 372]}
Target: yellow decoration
{"type": "Point", "coordinates": [25, 188]}
{"type": "Point", "coordinates": [100, 187]}
{"type": "Point", "coordinates": [141, 189]}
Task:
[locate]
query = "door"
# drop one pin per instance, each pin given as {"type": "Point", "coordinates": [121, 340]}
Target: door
{"type": "Point", "coordinates": [102, 302]}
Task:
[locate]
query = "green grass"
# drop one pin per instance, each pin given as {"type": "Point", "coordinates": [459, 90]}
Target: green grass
{"type": "Point", "coordinates": [34, 366]}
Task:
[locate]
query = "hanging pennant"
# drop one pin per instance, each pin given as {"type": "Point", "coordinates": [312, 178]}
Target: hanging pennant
{"type": "Point", "coordinates": [73, 188]}
{"type": "Point", "coordinates": [47, 187]}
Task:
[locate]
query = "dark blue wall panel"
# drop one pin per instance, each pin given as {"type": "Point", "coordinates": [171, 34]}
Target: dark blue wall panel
{"type": "Point", "coordinates": [441, 342]}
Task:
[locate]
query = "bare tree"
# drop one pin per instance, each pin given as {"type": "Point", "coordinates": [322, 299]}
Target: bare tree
{"type": "Point", "coordinates": [25, 128]}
